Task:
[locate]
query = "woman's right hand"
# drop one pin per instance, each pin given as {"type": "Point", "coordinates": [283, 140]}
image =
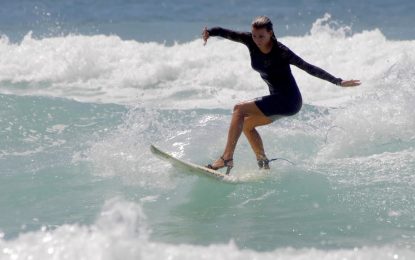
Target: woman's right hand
{"type": "Point", "coordinates": [205, 35]}
{"type": "Point", "coordinates": [350, 83]}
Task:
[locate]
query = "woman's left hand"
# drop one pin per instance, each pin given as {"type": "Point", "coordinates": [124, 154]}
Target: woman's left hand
{"type": "Point", "coordinates": [350, 83]}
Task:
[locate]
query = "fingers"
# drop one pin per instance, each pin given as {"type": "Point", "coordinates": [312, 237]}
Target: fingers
{"type": "Point", "coordinates": [350, 83]}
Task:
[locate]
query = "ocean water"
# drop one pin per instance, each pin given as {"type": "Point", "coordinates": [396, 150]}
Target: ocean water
{"type": "Point", "coordinates": [87, 86]}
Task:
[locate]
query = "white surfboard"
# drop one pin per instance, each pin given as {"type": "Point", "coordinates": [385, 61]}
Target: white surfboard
{"type": "Point", "coordinates": [188, 166]}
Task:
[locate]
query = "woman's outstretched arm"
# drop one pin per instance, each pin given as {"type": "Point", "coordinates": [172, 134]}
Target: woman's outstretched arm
{"type": "Point", "coordinates": [316, 71]}
{"type": "Point", "coordinates": [241, 37]}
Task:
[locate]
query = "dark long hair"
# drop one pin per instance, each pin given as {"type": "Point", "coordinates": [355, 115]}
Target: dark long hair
{"type": "Point", "coordinates": [264, 22]}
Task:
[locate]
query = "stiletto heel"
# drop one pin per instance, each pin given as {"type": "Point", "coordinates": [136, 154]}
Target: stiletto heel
{"type": "Point", "coordinates": [228, 170]}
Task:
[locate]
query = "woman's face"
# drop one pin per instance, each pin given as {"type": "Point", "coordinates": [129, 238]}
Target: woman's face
{"type": "Point", "coordinates": [261, 37]}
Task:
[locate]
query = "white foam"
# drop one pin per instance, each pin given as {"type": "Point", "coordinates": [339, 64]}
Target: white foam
{"type": "Point", "coordinates": [120, 232]}
{"type": "Point", "coordinates": [108, 69]}
{"type": "Point", "coordinates": [125, 152]}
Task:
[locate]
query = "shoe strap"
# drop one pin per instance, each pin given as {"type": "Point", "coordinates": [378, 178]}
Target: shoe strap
{"type": "Point", "coordinates": [225, 162]}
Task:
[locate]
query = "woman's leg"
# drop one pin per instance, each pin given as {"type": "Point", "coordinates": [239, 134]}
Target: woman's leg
{"type": "Point", "coordinates": [249, 112]}
{"type": "Point", "coordinates": [253, 136]}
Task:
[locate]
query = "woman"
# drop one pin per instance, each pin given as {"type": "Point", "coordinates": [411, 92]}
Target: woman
{"type": "Point", "coordinates": [272, 60]}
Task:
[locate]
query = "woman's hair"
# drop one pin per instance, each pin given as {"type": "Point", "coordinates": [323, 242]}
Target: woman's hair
{"type": "Point", "coordinates": [263, 22]}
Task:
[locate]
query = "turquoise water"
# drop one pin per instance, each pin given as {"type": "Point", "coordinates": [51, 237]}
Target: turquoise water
{"type": "Point", "coordinates": [78, 112]}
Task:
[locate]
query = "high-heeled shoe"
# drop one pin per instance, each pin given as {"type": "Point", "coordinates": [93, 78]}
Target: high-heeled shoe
{"type": "Point", "coordinates": [226, 163]}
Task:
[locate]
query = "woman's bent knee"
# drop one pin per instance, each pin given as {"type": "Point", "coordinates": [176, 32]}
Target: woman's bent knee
{"type": "Point", "coordinates": [238, 109]}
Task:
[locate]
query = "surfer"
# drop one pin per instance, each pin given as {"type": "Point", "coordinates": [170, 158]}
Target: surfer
{"type": "Point", "coordinates": [272, 60]}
